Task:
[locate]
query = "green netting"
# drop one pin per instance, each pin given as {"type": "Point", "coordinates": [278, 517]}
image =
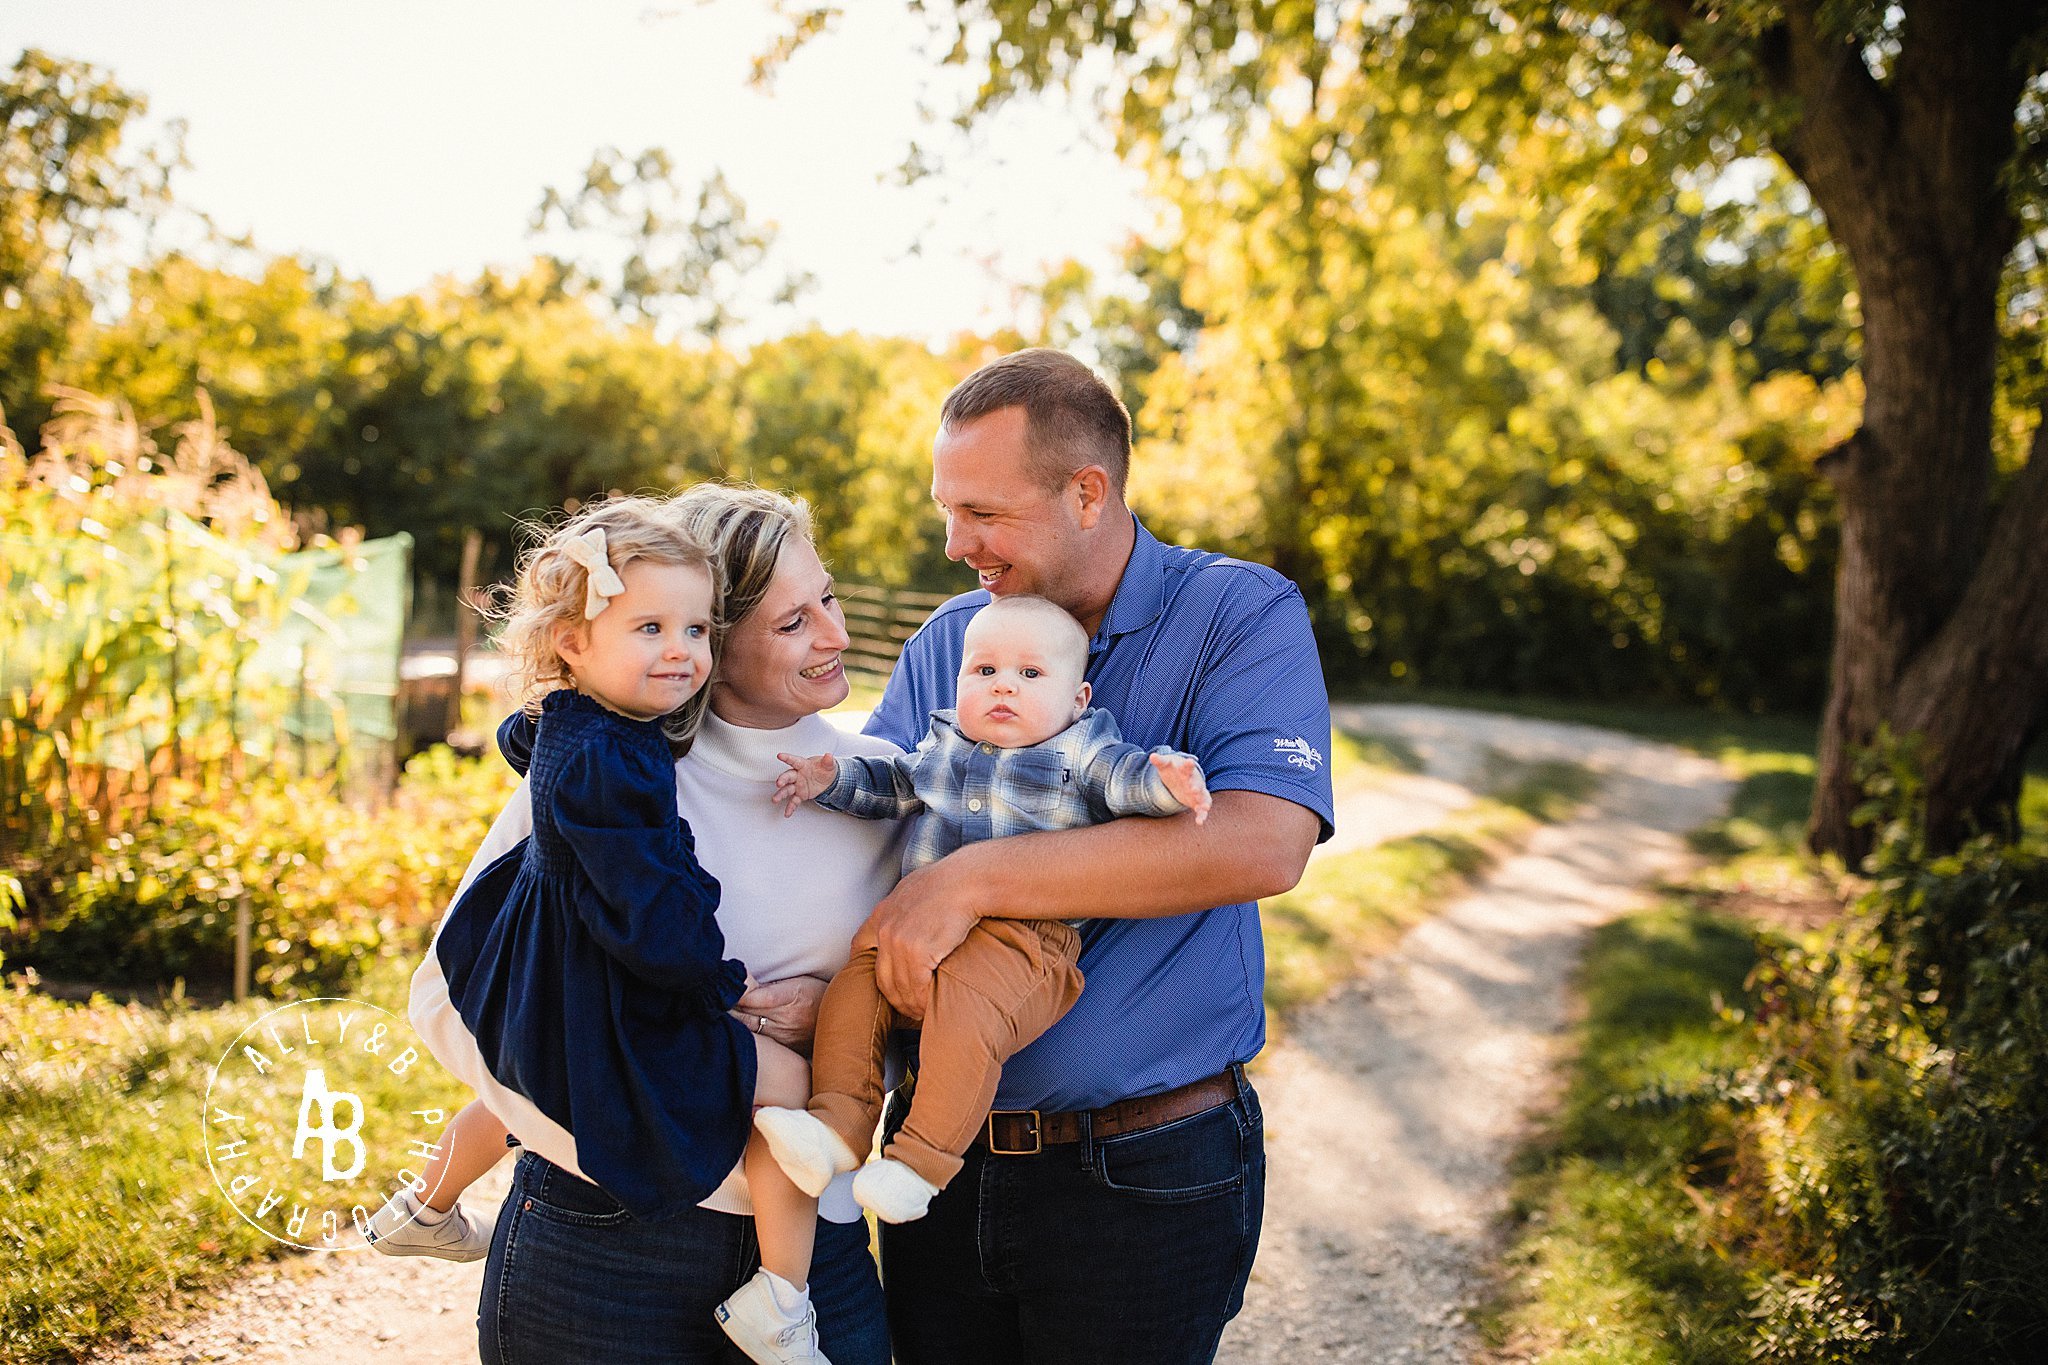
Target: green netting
{"type": "Point", "coordinates": [337, 652]}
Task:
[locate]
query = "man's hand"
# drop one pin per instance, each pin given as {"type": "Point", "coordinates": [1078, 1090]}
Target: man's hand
{"type": "Point", "coordinates": [1183, 777]}
{"type": "Point", "coordinates": [805, 780]}
{"type": "Point", "coordinates": [927, 916]}
{"type": "Point", "coordinates": [785, 1010]}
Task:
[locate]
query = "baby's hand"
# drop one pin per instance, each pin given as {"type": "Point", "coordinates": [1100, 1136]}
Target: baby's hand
{"type": "Point", "coordinates": [805, 779]}
{"type": "Point", "coordinates": [1183, 777]}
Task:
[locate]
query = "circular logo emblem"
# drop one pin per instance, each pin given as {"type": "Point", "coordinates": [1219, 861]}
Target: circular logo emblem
{"type": "Point", "coordinates": [316, 1116]}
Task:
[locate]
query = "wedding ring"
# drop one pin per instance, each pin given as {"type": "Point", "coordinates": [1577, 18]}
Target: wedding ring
{"type": "Point", "coordinates": [761, 1023]}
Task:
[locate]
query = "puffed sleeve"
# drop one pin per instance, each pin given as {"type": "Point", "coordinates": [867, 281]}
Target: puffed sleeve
{"type": "Point", "coordinates": [654, 903]}
{"type": "Point", "coordinates": [515, 740]}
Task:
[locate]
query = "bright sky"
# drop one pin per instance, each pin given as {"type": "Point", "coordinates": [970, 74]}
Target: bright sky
{"type": "Point", "coordinates": [403, 139]}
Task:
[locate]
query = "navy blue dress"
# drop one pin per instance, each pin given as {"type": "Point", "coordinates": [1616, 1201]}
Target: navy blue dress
{"type": "Point", "coordinates": [588, 966]}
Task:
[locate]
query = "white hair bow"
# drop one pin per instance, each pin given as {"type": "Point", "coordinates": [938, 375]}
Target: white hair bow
{"type": "Point", "coordinates": [600, 583]}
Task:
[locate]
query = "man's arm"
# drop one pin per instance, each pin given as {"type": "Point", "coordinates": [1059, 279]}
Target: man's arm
{"type": "Point", "coordinates": [1253, 846]}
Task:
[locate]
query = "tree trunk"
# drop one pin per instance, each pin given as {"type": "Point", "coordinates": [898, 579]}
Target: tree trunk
{"type": "Point", "coordinates": [1977, 693]}
{"type": "Point", "coordinates": [1931, 631]}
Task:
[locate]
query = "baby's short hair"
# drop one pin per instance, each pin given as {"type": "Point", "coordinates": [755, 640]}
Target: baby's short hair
{"type": "Point", "coordinates": [1067, 634]}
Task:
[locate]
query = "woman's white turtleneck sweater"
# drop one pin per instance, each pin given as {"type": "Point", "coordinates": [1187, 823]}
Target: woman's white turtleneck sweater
{"type": "Point", "coordinates": [791, 893]}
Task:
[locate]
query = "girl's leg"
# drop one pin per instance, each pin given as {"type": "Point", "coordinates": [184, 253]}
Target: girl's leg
{"type": "Point", "coordinates": [785, 1218]}
{"type": "Point", "coordinates": [430, 1221]}
{"type": "Point", "coordinates": [472, 1143]}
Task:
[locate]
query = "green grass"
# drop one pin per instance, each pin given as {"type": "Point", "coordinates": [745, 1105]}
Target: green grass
{"type": "Point", "coordinates": [1547, 790]}
{"type": "Point", "coordinates": [1356, 754]}
{"type": "Point", "coordinates": [1615, 1256]}
{"type": "Point", "coordinates": [109, 1217]}
{"type": "Point", "coordinates": [1614, 1260]}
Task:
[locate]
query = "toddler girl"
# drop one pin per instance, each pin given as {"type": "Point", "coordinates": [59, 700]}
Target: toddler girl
{"type": "Point", "coordinates": [586, 961]}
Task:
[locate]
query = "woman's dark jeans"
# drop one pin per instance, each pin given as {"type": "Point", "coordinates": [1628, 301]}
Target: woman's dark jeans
{"type": "Point", "coordinates": [572, 1277]}
{"type": "Point", "coordinates": [1133, 1249]}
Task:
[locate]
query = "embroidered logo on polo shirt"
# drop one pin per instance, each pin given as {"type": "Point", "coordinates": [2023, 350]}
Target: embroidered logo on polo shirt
{"type": "Point", "coordinates": [1300, 752]}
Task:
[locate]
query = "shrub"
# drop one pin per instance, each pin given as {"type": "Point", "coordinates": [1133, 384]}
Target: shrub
{"type": "Point", "coordinates": [1900, 1171]}
{"type": "Point", "coordinates": [331, 886]}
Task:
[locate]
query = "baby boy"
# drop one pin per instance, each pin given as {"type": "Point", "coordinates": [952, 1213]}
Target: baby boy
{"type": "Point", "coordinates": [1021, 751]}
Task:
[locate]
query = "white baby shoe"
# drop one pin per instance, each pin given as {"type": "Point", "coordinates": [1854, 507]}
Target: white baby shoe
{"type": "Point", "coordinates": [772, 1321]}
{"type": "Point", "coordinates": [892, 1191]}
{"type": "Point", "coordinates": [806, 1148]}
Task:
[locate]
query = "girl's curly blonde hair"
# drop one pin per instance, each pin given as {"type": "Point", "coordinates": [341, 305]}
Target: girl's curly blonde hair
{"type": "Point", "coordinates": [550, 591]}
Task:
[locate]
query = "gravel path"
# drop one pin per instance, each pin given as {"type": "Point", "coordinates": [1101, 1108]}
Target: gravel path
{"type": "Point", "coordinates": [1392, 1107]}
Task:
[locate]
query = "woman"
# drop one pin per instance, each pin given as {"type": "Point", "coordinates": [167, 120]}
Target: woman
{"type": "Point", "coordinates": [571, 1276]}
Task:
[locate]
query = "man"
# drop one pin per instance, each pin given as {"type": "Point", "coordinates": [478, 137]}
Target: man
{"type": "Point", "coordinates": [1110, 1209]}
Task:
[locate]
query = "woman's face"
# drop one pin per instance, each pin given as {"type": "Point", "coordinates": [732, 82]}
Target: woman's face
{"type": "Point", "coordinates": [782, 663]}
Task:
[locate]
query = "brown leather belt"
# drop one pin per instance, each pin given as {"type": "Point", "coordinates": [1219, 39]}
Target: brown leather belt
{"type": "Point", "coordinates": [1025, 1132]}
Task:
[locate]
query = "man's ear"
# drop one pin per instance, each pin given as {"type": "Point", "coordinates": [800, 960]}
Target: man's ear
{"type": "Point", "coordinates": [1091, 491]}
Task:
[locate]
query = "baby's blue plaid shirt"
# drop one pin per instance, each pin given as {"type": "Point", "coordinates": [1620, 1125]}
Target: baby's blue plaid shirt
{"type": "Point", "coordinates": [968, 791]}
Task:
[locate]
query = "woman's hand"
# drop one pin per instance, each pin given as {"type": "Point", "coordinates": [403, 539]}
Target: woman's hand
{"type": "Point", "coordinates": [785, 1010]}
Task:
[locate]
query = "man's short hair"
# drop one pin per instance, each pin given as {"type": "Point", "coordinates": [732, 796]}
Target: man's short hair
{"type": "Point", "coordinates": [1072, 419]}
{"type": "Point", "coordinates": [1067, 636]}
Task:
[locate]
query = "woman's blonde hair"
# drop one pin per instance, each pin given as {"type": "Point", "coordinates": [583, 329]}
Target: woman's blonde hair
{"type": "Point", "coordinates": [551, 589]}
{"type": "Point", "coordinates": [744, 528]}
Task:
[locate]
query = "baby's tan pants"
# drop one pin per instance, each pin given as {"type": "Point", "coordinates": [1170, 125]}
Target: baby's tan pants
{"type": "Point", "coordinates": [1006, 983]}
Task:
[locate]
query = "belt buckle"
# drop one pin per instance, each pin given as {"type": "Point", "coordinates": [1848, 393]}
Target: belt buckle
{"type": "Point", "coordinates": [989, 1131]}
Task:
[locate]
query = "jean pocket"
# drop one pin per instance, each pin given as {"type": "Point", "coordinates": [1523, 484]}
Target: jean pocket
{"type": "Point", "coordinates": [1191, 1158]}
{"type": "Point", "coordinates": [554, 1194]}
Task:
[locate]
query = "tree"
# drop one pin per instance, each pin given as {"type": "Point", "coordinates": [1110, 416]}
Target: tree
{"type": "Point", "coordinates": [689, 258]}
{"type": "Point", "coordinates": [268, 348]}
{"type": "Point", "coordinates": [65, 179]}
{"type": "Point", "coordinates": [845, 421]}
{"type": "Point", "coordinates": [1918, 130]}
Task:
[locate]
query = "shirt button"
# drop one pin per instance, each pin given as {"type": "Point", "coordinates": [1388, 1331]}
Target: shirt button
{"type": "Point", "coordinates": [975, 804]}
{"type": "Point", "coordinates": [988, 748]}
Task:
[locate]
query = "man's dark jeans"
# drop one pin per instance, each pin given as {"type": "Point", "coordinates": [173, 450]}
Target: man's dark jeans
{"type": "Point", "coordinates": [572, 1277]}
{"type": "Point", "coordinates": [1133, 1249]}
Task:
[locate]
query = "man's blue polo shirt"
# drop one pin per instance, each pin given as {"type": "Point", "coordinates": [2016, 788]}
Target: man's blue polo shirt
{"type": "Point", "coordinates": [1214, 657]}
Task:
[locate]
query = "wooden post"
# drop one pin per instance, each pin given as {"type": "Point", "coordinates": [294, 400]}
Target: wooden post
{"type": "Point", "coordinates": [242, 947]}
{"type": "Point", "coordinates": [465, 624]}
{"type": "Point", "coordinates": [299, 710]}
